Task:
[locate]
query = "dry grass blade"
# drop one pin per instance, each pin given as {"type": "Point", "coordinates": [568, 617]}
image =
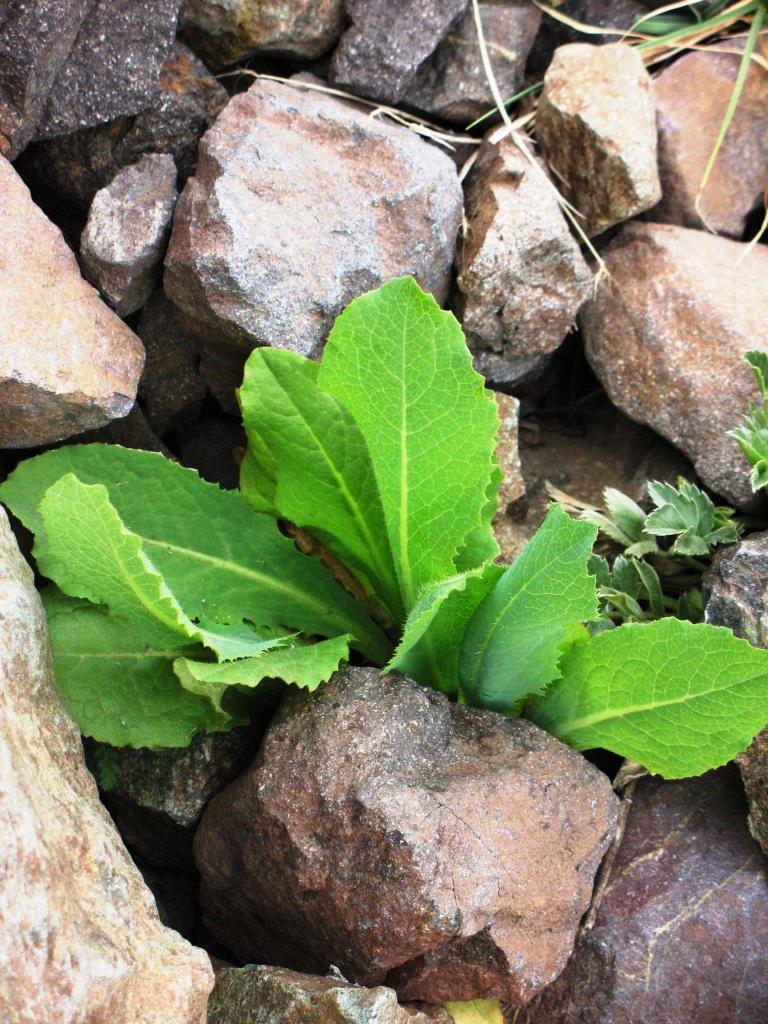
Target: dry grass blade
{"type": "Point", "coordinates": [580, 26]}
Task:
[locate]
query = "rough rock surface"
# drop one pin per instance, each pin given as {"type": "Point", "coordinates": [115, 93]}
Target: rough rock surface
{"type": "Point", "coordinates": [512, 491]}
{"type": "Point", "coordinates": [273, 995]}
{"type": "Point", "coordinates": [381, 52]}
{"type": "Point", "coordinates": [670, 329]}
{"type": "Point", "coordinates": [401, 837]}
{"type": "Point", "coordinates": [612, 15]}
{"type": "Point", "coordinates": [452, 85]}
{"type": "Point", "coordinates": [736, 595]}
{"type": "Point", "coordinates": [77, 165]}
{"type": "Point", "coordinates": [521, 275]}
{"type": "Point", "coordinates": [67, 363]}
{"type": "Point", "coordinates": [680, 934]}
{"type": "Point", "coordinates": [262, 255]}
{"type": "Point", "coordinates": [691, 97]}
{"type": "Point", "coordinates": [128, 227]}
{"type": "Point", "coordinates": [80, 939]}
{"type": "Point", "coordinates": [224, 33]}
{"type": "Point", "coordinates": [171, 389]}
{"type": "Point", "coordinates": [596, 124]}
{"type": "Point", "coordinates": [157, 797]}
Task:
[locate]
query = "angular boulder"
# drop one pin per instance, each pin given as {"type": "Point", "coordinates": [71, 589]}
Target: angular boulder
{"type": "Point", "coordinates": [300, 203]}
{"type": "Point", "coordinates": [406, 840]}
{"type": "Point", "coordinates": [224, 33]}
{"type": "Point", "coordinates": [612, 15]}
{"type": "Point", "coordinates": [691, 96]}
{"type": "Point", "coordinates": [67, 363]}
{"type": "Point", "coordinates": [521, 276]}
{"type": "Point", "coordinates": [666, 337]}
{"type": "Point", "coordinates": [596, 124]}
{"type": "Point", "coordinates": [680, 932]}
{"type": "Point", "coordinates": [80, 938]}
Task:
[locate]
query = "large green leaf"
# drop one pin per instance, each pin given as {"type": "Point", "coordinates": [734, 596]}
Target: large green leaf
{"type": "Point", "coordinates": [324, 477]}
{"type": "Point", "coordinates": [401, 367]}
{"type": "Point", "coordinates": [511, 646]}
{"type": "Point", "coordinates": [220, 559]}
{"type": "Point", "coordinates": [677, 697]}
{"type": "Point", "coordinates": [431, 644]}
{"type": "Point", "coordinates": [117, 681]}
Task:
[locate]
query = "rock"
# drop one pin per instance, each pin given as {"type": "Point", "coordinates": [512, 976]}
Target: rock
{"type": "Point", "coordinates": [405, 840]}
{"type": "Point", "coordinates": [260, 255]}
{"type": "Point", "coordinates": [224, 33]}
{"type": "Point", "coordinates": [736, 596]}
{"type": "Point", "coordinates": [113, 65]}
{"type": "Point", "coordinates": [77, 165]}
{"type": "Point", "coordinates": [691, 98]}
{"type": "Point", "coordinates": [157, 797]}
{"type": "Point", "coordinates": [128, 227]}
{"type": "Point", "coordinates": [80, 939]}
{"type": "Point", "coordinates": [512, 491]}
{"type": "Point", "coordinates": [616, 16]}
{"type": "Point", "coordinates": [596, 124]}
{"type": "Point", "coordinates": [67, 363]}
{"type": "Point", "coordinates": [132, 431]}
{"type": "Point", "coordinates": [272, 995]}
{"type": "Point", "coordinates": [382, 51]}
{"type": "Point", "coordinates": [680, 933]}
{"type": "Point", "coordinates": [171, 389]}
{"type": "Point", "coordinates": [452, 85]}
{"type": "Point", "coordinates": [521, 275]}
{"type": "Point", "coordinates": [669, 329]}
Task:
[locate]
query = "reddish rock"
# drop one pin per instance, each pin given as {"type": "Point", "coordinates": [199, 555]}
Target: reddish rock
{"type": "Point", "coordinates": [692, 95]}
{"type": "Point", "coordinates": [261, 255]}
{"type": "Point", "coordinates": [80, 938]}
{"type": "Point", "coordinates": [398, 836]}
{"type": "Point", "coordinates": [667, 335]}
{"type": "Point", "coordinates": [521, 275]}
{"type": "Point", "coordinates": [224, 33]}
{"type": "Point", "coordinates": [128, 227]}
{"type": "Point", "coordinates": [596, 124]}
{"type": "Point", "coordinates": [67, 363]}
{"type": "Point", "coordinates": [680, 933]}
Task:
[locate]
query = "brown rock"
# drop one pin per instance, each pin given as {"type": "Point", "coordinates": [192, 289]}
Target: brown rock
{"type": "Point", "coordinates": [680, 933]}
{"type": "Point", "coordinates": [77, 165]}
{"type": "Point", "coordinates": [273, 995]}
{"type": "Point", "coordinates": [596, 124]}
{"type": "Point", "coordinates": [452, 84]}
{"type": "Point", "coordinates": [666, 337]}
{"type": "Point", "coordinates": [226, 33]}
{"type": "Point", "coordinates": [67, 363]}
{"type": "Point", "coordinates": [128, 227]}
{"type": "Point", "coordinates": [401, 837]}
{"type": "Point", "coordinates": [736, 595]}
{"type": "Point", "coordinates": [512, 489]}
{"type": "Point", "coordinates": [80, 939]}
{"type": "Point", "coordinates": [262, 255]}
{"type": "Point", "coordinates": [521, 275]}
{"type": "Point", "coordinates": [691, 98]}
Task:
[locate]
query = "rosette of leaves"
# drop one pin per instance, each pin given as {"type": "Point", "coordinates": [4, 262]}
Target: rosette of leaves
{"type": "Point", "coordinates": [752, 435]}
{"type": "Point", "coordinates": [171, 602]}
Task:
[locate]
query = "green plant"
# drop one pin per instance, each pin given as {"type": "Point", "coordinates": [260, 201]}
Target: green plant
{"type": "Point", "coordinates": [171, 601]}
{"type": "Point", "coordinates": [752, 436]}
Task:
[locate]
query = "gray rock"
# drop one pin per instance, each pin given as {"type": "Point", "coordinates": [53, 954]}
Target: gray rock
{"type": "Point", "coordinates": [667, 334]}
{"type": "Point", "coordinates": [521, 275]}
{"type": "Point", "coordinates": [612, 15]}
{"type": "Point", "coordinates": [273, 995]}
{"type": "Point", "coordinates": [262, 255]}
{"type": "Point", "coordinates": [113, 65]}
{"type": "Point", "coordinates": [129, 223]}
{"type": "Point", "coordinates": [404, 838]}
{"type": "Point", "coordinates": [77, 165]}
{"type": "Point", "coordinates": [680, 933]}
{"type": "Point", "coordinates": [80, 938]}
{"type": "Point", "coordinates": [452, 84]}
{"type": "Point", "coordinates": [387, 43]}
{"type": "Point", "coordinates": [596, 123]}
{"type": "Point", "coordinates": [67, 363]}
{"type": "Point", "coordinates": [224, 33]}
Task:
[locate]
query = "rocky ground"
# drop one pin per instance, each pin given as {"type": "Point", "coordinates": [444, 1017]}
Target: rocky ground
{"type": "Point", "coordinates": [374, 852]}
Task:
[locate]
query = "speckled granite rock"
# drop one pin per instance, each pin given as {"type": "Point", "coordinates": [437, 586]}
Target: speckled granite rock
{"type": "Point", "coordinates": [406, 839]}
